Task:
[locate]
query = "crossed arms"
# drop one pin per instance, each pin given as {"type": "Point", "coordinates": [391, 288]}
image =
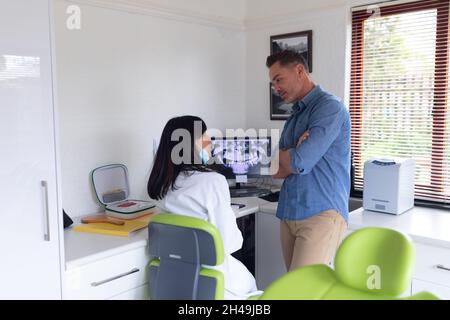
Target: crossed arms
{"type": "Point", "coordinates": [325, 125]}
{"type": "Point", "coordinates": [284, 160]}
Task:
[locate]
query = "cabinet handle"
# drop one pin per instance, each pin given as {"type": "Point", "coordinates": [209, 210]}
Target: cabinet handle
{"type": "Point", "coordinates": [44, 186]}
{"type": "Point", "coordinates": [99, 283]}
{"type": "Point", "coordinates": [440, 266]}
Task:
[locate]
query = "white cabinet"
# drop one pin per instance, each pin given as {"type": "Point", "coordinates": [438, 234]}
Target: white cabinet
{"type": "Point", "coordinates": [115, 277]}
{"type": "Point", "coordinates": [139, 293]}
{"type": "Point", "coordinates": [432, 270]}
{"type": "Point", "coordinates": [442, 292]}
{"type": "Point", "coordinates": [269, 255]}
{"type": "Point", "coordinates": [29, 231]}
{"type": "Point", "coordinates": [432, 264]}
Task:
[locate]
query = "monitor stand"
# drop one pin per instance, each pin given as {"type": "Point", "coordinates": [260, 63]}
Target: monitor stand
{"type": "Point", "coordinates": [248, 191]}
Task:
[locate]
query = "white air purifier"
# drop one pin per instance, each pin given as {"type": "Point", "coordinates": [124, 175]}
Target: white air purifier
{"type": "Point", "coordinates": [389, 185]}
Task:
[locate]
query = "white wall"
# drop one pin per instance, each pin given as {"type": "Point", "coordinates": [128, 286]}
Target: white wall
{"type": "Point", "coordinates": [219, 10]}
{"type": "Point", "coordinates": [136, 63]}
{"type": "Point", "coordinates": [229, 9]}
{"type": "Point", "coordinates": [263, 9]}
{"type": "Point", "coordinates": [330, 21]}
{"type": "Point", "coordinates": [329, 35]}
{"type": "Point", "coordinates": [122, 76]}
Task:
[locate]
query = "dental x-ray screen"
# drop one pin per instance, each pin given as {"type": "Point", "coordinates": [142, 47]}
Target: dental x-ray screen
{"type": "Point", "coordinates": [244, 156]}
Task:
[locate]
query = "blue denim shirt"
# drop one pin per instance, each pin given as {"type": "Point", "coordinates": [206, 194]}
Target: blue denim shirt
{"type": "Point", "coordinates": [321, 163]}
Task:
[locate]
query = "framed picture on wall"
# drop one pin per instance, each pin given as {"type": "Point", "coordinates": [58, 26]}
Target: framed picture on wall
{"type": "Point", "coordinates": [297, 41]}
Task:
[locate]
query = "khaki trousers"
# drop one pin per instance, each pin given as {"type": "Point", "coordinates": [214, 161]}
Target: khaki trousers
{"type": "Point", "coordinates": [311, 241]}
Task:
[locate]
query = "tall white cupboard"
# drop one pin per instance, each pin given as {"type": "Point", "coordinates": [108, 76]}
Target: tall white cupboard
{"type": "Point", "coordinates": [30, 216]}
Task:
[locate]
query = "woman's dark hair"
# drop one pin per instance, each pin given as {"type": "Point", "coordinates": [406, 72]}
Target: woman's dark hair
{"type": "Point", "coordinates": [166, 169]}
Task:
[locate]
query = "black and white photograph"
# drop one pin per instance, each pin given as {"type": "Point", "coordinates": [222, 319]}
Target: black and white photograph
{"type": "Point", "coordinates": [297, 41]}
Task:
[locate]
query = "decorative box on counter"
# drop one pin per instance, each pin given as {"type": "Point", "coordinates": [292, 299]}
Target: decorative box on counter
{"type": "Point", "coordinates": [112, 188]}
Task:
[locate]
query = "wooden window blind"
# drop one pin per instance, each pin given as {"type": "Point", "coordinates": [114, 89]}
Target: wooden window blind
{"type": "Point", "coordinates": [399, 91]}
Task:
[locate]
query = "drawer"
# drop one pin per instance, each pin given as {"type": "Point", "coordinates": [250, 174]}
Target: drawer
{"type": "Point", "coordinates": [107, 277]}
{"type": "Point", "coordinates": [440, 291]}
{"type": "Point", "coordinates": [430, 264]}
{"type": "Point", "coordinates": [139, 293]}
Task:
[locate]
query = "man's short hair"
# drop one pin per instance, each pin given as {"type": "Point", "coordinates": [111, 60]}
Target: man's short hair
{"type": "Point", "coordinates": [286, 57]}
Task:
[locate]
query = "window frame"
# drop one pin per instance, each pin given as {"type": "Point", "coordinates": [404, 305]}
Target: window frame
{"type": "Point", "coordinates": [440, 84]}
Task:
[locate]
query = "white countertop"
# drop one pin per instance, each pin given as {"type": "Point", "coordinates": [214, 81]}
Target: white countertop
{"type": "Point", "coordinates": [423, 225]}
{"type": "Point", "coordinates": [269, 207]}
{"type": "Point", "coordinates": [82, 247]}
{"type": "Point", "coordinates": [252, 205]}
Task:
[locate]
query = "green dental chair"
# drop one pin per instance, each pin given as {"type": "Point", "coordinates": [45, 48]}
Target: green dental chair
{"type": "Point", "coordinates": [179, 247]}
{"type": "Point", "coordinates": [370, 264]}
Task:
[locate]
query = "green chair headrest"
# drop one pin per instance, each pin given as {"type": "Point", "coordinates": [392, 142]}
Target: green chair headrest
{"type": "Point", "coordinates": [376, 260]}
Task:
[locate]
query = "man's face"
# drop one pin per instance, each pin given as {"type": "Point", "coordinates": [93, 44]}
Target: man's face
{"type": "Point", "coordinates": [287, 81]}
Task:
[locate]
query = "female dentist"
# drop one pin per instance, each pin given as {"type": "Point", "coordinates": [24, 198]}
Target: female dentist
{"type": "Point", "coordinates": [187, 186]}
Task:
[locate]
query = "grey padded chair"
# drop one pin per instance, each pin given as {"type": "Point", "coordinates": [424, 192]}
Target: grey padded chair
{"type": "Point", "coordinates": [180, 247]}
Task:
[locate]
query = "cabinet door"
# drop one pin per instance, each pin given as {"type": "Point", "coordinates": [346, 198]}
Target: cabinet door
{"type": "Point", "coordinates": [140, 293]}
{"type": "Point", "coordinates": [107, 277]}
{"type": "Point", "coordinates": [269, 257]}
{"type": "Point", "coordinates": [432, 264]}
{"type": "Point", "coordinates": [29, 237]}
{"type": "Point", "coordinates": [442, 292]}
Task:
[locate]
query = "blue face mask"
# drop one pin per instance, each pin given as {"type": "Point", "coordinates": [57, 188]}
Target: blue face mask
{"type": "Point", "coordinates": [204, 156]}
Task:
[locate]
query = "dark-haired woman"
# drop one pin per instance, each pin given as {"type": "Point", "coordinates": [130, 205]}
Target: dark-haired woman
{"type": "Point", "coordinates": [180, 178]}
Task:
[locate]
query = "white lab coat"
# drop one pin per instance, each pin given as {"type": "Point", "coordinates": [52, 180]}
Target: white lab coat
{"type": "Point", "coordinates": [205, 195]}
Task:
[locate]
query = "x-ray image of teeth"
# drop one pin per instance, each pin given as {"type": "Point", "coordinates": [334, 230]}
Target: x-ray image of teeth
{"type": "Point", "coordinates": [242, 155]}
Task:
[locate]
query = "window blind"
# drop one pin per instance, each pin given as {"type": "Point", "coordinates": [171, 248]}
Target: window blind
{"type": "Point", "coordinates": [399, 91]}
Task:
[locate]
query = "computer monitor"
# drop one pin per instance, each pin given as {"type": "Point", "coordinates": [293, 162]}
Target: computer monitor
{"type": "Point", "coordinates": [242, 158]}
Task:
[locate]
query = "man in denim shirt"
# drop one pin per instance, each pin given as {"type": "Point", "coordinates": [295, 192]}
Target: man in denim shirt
{"type": "Point", "coordinates": [314, 160]}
